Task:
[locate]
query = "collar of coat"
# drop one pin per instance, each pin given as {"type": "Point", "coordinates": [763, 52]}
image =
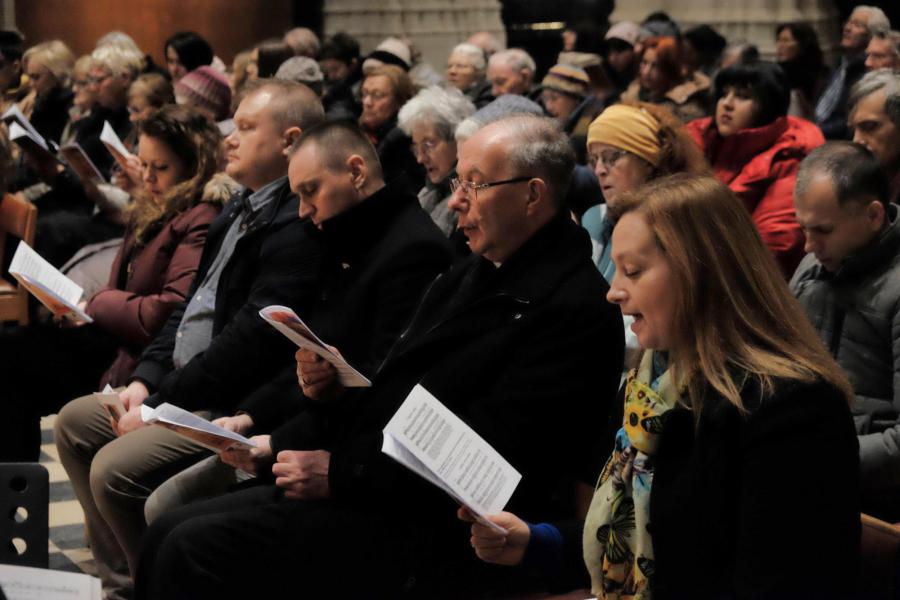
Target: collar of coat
{"type": "Point", "coordinates": [882, 250]}
{"type": "Point", "coordinates": [352, 233]}
{"type": "Point", "coordinates": [546, 259]}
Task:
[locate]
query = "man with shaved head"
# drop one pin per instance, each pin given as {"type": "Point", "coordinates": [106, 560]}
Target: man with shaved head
{"type": "Point", "coordinates": [517, 340]}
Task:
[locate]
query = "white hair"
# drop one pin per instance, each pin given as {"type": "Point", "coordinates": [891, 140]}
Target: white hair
{"type": "Point", "coordinates": [514, 58]}
{"type": "Point", "coordinates": [877, 21]}
{"type": "Point", "coordinates": [473, 53]}
{"type": "Point", "coordinates": [444, 108]}
{"type": "Point", "coordinates": [118, 60]}
{"type": "Point", "coordinates": [119, 39]}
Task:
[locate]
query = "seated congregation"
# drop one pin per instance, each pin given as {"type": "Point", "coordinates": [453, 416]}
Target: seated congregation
{"type": "Point", "coordinates": [645, 279]}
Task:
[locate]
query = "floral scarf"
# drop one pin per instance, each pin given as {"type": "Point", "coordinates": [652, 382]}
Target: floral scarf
{"type": "Point", "coordinates": [618, 549]}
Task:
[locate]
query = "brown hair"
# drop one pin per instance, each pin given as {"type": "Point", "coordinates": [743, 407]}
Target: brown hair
{"type": "Point", "coordinates": [668, 58]}
{"type": "Point", "coordinates": [400, 82]}
{"type": "Point", "coordinates": [735, 317]}
{"type": "Point", "coordinates": [155, 88]}
{"type": "Point", "coordinates": [196, 142]}
{"type": "Point", "coordinates": [678, 152]}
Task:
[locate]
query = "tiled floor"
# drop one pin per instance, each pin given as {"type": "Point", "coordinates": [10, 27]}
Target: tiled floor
{"type": "Point", "coordinates": [68, 549]}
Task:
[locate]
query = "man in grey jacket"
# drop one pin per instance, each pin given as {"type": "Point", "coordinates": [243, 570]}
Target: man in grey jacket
{"type": "Point", "coordinates": [849, 285]}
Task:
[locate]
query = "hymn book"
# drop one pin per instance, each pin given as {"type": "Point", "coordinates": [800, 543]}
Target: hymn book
{"type": "Point", "coordinates": [292, 327]}
{"type": "Point", "coordinates": [428, 439]}
{"type": "Point", "coordinates": [15, 116]}
{"type": "Point", "coordinates": [83, 166]}
{"type": "Point", "coordinates": [198, 429]}
{"type": "Point", "coordinates": [55, 291]}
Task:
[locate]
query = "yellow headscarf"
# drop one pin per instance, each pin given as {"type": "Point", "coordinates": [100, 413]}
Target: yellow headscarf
{"type": "Point", "coordinates": [627, 128]}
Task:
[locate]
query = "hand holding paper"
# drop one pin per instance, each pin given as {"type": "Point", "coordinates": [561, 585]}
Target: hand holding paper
{"type": "Point", "coordinates": [55, 291]}
{"type": "Point", "coordinates": [494, 546]}
{"type": "Point", "coordinates": [427, 438]}
{"type": "Point", "coordinates": [291, 326]}
{"type": "Point", "coordinates": [114, 145]}
{"type": "Point", "coordinates": [191, 426]}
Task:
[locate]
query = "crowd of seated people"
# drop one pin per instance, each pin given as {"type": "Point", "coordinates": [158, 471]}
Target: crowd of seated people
{"type": "Point", "coordinates": [642, 275]}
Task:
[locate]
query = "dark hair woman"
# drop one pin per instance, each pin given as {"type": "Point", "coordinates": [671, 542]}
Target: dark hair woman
{"type": "Point", "coordinates": [800, 57]}
{"type": "Point", "coordinates": [756, 149]}
{"type": "Point", "coordinates": [185, 51]}
{"type": "Point", "coordinates": [166, 229]}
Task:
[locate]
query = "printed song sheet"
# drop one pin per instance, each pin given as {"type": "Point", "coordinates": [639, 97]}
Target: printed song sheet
{"type": "Point", "coordinates": [427, 438]}
{"type": "Point", "coordinates": [114, 144]}
{"type": "Point", "coordinates": [291, 326]}
{"type": "Point", "coordinates": [28, 583]}
{"type": "Point", "coordinates": [55, 291]}
{"type": "Point", "coordinates": [189, 425]}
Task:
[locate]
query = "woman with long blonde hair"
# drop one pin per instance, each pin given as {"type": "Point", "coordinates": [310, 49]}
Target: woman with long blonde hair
{"type": "Point", "coordinates": [734, 468]}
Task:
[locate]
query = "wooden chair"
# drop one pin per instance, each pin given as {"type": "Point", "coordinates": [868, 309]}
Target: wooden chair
{"type": "Point", "coordinates": [879, 554]}
{"type": "Point", "coordinates": [18, 218]}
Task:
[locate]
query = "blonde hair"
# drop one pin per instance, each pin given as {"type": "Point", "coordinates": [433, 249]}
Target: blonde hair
{"type": "Point", "coordinates": [56, 57]}
{"type": "Point", "coordinates": [82, 66]}
{"type": "Point", "coordinates": [734, 315]}
{"type": "Point", "coordinates": [118, 60]}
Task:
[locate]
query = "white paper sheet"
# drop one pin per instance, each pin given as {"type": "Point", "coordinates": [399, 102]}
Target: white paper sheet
{"type": "Point", "coordinates": [427, 438]}
{"type": "Point", "coordinates": [56, 291]}
{"type": "Point", "coordinates": [114, 144]}
{"type": "Point", "coordinates": [291, 326]}
{"type": "Point", "coordinates": [28, 583]}
{"type": "Point", "coordinates": [25, 139]}
{"type": "Point", "coordinates": [15, 115]}
{"type": "Point", "coordinates": [196, 428]}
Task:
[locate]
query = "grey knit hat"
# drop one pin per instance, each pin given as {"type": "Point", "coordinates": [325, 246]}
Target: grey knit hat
{"type": "Point", "coordinates": [301, 69]}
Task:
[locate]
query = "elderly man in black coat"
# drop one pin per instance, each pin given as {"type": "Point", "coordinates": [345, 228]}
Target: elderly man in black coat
{"type": "Point", "coordinates": [517, 340]}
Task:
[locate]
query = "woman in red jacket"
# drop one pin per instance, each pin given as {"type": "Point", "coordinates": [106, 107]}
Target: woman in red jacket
{"type": "Point", "coordinates": [756, 149]}
{"type": "Point", "coordinates": [44, 365]}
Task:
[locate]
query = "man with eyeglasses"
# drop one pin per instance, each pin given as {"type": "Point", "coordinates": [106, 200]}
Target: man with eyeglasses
{"type": "Point", "coordinates": [517, 340]}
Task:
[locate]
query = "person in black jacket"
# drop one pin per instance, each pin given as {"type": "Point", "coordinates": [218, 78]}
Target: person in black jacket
{"type": "Point", "coordinates": [516, 340]}
{"type": "Point", "coordinates": [214, 348]}
{"type": "Point", "coordinates": [381, 252]}
{"type": "Point", "coordinates": [734, 470]}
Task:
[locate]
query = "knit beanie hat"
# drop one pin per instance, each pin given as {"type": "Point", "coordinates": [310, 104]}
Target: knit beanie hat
{"type": "Point", "coordinates": [628, 128]}
{"type": "Point", "coordinates": [567, 79]}
{"type": "Point", "coordinates": [207, 88]}
{"type": "Point", "coordinates": [391, 51]}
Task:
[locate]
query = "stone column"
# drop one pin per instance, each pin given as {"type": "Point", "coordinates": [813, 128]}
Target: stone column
{"type": "Point", "coordinates": [435, 26]}
{"type": "Point", "coordinates": [751, 20]}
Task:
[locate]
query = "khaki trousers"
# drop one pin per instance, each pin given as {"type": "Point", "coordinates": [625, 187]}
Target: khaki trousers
{"type": "Point", "coordinates": [112, 477]}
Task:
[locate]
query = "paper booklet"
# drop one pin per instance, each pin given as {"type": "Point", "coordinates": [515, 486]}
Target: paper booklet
{"type": "Point", "coordinates": [83, 166]}
{"type": "Point", "coordinates": [30, 583]}
{"type": "Point", "coordinates": [428, 439]}
{"type": "Point", "coordinates": [288, 323]}
{"type": "Point", "coordinates": [109, 400]}
{"type": "Point", "coordinates": [15, 115]}
{"type": "Point", "coordinates": [55, 291]}
{"type": "Point", "coordinates": [198, 429]}
{"type": "Point", "coordinates": [29, 142]}
{"type": "Point", "coordinates": [115, 146]}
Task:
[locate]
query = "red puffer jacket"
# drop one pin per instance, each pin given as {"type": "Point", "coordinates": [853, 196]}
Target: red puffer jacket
{"type": "Point", "coordinates": [760, 166]}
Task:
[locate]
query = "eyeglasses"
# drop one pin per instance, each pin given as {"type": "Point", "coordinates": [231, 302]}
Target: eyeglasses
{"type": "Point", "coordinates": [608, 158]}
{"type": "Point", "coordinates": [92, 80]}
{"type": "Point", "coordinates": [470, 187]}
{"type": "Point", "coordinates": [425, 148]}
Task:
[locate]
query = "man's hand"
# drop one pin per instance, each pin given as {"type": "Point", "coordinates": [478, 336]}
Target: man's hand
{"type": "Point", "coordinates": [239, 423]}
{"type": "Point", "coordinates": [130, 421]}
{"type": "Point", "coordinates": [134, 395]}
{"type": "Point", "coordinates": [317, 376]}
{"type": "Point", "coordinates": [494, 547]}
{"type": "Point", "coordinates": [250, 460]}
{"type": "Point", "coordinates": [303, 474]}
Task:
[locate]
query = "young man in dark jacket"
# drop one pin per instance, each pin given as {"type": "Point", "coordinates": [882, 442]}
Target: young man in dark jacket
{"type": "Point", "coordinates": [517, 340]}
{"type": "Point", "coordinates": [849, 285]}
{"type": "Point", "coordinates": [215, 348]}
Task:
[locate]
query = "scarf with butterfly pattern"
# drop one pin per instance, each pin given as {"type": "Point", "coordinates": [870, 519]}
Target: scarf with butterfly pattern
{"type": "Point", "coordinates": [618, 550]}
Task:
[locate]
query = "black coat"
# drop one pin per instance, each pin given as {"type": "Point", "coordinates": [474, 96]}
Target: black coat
{"type": "Point", "coordinates": [379, 258]}
{"type": "Point", "coordinates": [51, 113]}
{"type": "Point", "coordinates": [275, 262]}
{"type": "Point", "coordinates": [762, 506]}
{"type": "Point", "coordinates": [529, 355]}
{"type": "Point", "coordinates": [88, 129]}
{"type": "Point", "coordinates": [397, 159]}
